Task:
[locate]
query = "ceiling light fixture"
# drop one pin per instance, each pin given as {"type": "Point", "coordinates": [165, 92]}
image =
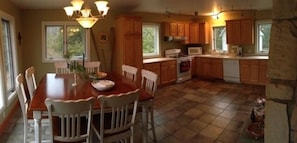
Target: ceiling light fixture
{"type": "Point", "coordinates": [84, 16]}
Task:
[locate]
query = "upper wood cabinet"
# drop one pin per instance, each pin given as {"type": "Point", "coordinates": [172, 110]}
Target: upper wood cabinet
{"type": "Point", "coordinates": [240, 31]}
{"type": "Point", "coordinates": [199, 33]}
{"type": "Point", "coordinates": [175, 29]}
{"type": "Point", "coordinates": [128, 45]}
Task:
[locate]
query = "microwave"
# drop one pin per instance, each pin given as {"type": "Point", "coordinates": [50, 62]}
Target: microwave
{"type": "Point", "coordinates": [194, 50]}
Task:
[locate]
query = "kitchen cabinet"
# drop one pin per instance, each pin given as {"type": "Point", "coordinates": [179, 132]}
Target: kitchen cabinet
{"type": "Point", "coordinates": [168, 72]}
{"type": "Point", "coordinates": [128, 45]}
{"type": "Point", "coordinates": [249, 71]}
{"type": "Point", "coordinates": [240, 31]}
{"type": "Point", "coordinates": [154, 67]}
{"type": "Point", "coordinates": [175, 29]}
{"type": "Point", "coordinates": [198, 33]}
{"type": "Point", "coordinates": [262, 71]}
{"type": "Point", "coordinates": [206, 67]}
{"type": "Point", "coordinates": [198, 67]}
{"type": "Point", "coordinates": [209, 67]}
{"type": "Point", "coordinates": [217, 68]}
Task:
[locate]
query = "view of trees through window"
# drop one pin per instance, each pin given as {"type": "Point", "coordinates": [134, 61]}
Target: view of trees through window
{"type": "Point", "coordinates": [219, 34]}
{"type": "Point", "coordinates": [8, 57]}
{"type": "Point", "coordinates": [150, 39]}
{"type": "Point", "coordinates": [263, 33]}
{"type": "Point", "coordinates": [74, 37]}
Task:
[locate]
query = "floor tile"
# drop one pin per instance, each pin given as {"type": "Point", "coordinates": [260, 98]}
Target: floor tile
{"type": "Point", "coordinates": [195, 111]}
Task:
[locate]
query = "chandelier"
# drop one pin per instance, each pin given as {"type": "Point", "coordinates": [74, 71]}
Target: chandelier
{"type": "Point", "coordinates": [84, 16]}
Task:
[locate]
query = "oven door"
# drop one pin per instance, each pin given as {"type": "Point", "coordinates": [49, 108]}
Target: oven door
{"type": "Point", "coordinates": [183, 66]}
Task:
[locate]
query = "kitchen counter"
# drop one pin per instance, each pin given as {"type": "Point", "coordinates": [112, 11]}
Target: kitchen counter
{"type": "Point", "coordinates": [154, 60]}
{"type": "Point", "coordinates": [234, 57]}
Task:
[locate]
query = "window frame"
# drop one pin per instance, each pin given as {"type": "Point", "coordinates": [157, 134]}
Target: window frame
{"type": "Point", "coordinates": [257, 23]}
{"type": "Point", "coordinates": [214, 40]}
{"type": "Point", "coordinates": [64, 24]}
{"type": "Point", "coordinates": [7, 98]}
{"type": "Point", "coordinates": [157, 40]}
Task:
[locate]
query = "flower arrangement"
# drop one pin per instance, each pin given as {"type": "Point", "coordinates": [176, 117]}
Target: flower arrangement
{"type": "Point", "coordinates": [75, 66]}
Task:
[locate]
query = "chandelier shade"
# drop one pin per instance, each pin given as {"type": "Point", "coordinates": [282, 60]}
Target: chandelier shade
{"type": "Point", "coordinates": [84, 16]}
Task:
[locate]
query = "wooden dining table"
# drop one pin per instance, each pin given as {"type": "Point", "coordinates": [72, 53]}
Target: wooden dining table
{"type": "Point", "coordinates": [59, 86]}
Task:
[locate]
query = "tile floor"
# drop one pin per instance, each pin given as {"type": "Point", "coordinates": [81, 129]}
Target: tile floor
{"type": "Point", "coordinates": [196, 111]}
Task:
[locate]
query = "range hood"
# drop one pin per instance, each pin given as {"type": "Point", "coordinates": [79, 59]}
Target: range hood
{"type": "Point", "coordinates": [174, 38]}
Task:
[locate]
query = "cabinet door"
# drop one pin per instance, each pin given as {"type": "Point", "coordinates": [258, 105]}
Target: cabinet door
{"type": "Point", "coordinates": [168, 72]}
{"type": "Point", "coordinates": [262, 71]}
{"type": "Point", "coordinates": [154, 67]}
{"type": "Point", "coordinates": [244, 70]}
{"type": "Point", "coordinates": [247, 34]}
{"type": "Point", "coordinates": [198, 69]}
{"type": "Point", "coordinates": [194, 31]}
{"type": "Point", "coordinates": [254, 71]}
{"type": "Point", "coordinates": [217, 68]}
{"type": "Point", "coordinates": [206, 67]}
{"type": "Point", "coordinates": [203, 33]}
{"type": "Point", "coordinates": [233, 31]}
{"type": "Point", "coordinates": [173, 29]}
{"type": "Point", "coordinates": [180, 29]}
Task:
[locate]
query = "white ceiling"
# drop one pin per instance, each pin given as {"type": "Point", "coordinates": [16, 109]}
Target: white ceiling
{"type": "Point", "coordinates": [203, 7]}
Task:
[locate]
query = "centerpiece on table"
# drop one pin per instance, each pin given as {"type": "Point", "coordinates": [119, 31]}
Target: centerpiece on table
{"type": "Point", "coordinates": [76, 68]}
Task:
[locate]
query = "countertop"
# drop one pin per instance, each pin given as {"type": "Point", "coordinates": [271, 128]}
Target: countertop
{"type": "Point", "coordinates": [234, 57]}
{"type": "Point", "coordinates": [161, 59]}
{"type": "Point", "coordinates": [154, 60]}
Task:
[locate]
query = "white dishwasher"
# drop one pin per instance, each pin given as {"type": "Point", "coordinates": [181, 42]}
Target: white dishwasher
{"type": "Point", "coordinates": [231, 70]}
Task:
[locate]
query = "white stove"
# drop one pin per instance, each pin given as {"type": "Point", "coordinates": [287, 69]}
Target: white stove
{"type": "Point", "coordinates": [183, 67]}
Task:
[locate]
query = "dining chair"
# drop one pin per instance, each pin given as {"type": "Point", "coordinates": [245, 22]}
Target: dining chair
{"type": "Point", "coordinates": [129, 72]}
{"type": "Point", "coordinates": [70, 120]}
{"type": "Point", "coordinates": [149, 86]}
{"type": "Point", "coordinates": [62, 68]}
{"type": "Point", "coordinates": [30, 80]}
{"type": "Point", "coordinates": [117, 116]}
{"type": "Point", "coordinates": [92, 67]}
{"type": "Point", "coordinates": [24, 103]}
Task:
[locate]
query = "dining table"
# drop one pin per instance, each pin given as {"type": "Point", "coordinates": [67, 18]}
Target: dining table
{"type": "Point", "coordinates": [60, 86]}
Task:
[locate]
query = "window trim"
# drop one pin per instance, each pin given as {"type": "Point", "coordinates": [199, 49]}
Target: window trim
{"type": "Point", "coordinates": [7, 99]}
{"type": "Point", "coordinates": [64, 24]}
{"type": "Point", "coordinates": [156, 44]}
{"type": "Point", "coordinates": [258, 52]}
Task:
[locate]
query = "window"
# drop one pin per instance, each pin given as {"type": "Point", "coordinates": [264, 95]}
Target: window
{"type": "Point", "coordinates": [150, 40]}
{"type": "Point", "coordinates": [8, 62]}
{"type": "Point", "coordinates": [263, 36]}
{"type": "Point", "coordinates": [219, 39]}
{"type": "Point", "coordinates": [61, 38]}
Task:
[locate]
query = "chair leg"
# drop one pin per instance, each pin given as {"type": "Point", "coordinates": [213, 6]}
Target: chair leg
{"type": "Point", "coordinates": [25, 131]}
{"type": "Point", "coordinates": [151, 110]}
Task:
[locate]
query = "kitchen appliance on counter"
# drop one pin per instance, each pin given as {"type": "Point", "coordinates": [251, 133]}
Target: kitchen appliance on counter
{"type": "Point", "coordinates": [183, 66]}
{"type": "Point", "coordinates": [192, 51]}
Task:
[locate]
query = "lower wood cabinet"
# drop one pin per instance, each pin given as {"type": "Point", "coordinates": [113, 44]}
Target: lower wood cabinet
{"type": "Point", "coordinates": [262, 71]}
{"type": "Point", "coordinates": [253, 71]}
{"type": "Point", "coordinates": [209, 67]}
{"type": "Point", "coordinates": [166, 71]}
{"type": "Point", "coordinates": [154, 67]}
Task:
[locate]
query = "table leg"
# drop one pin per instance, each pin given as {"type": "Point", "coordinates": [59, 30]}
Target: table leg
{"type": "Point", "coordinates": [37, 126]}
{"type": "Point", "coordinates": [144, 123]}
